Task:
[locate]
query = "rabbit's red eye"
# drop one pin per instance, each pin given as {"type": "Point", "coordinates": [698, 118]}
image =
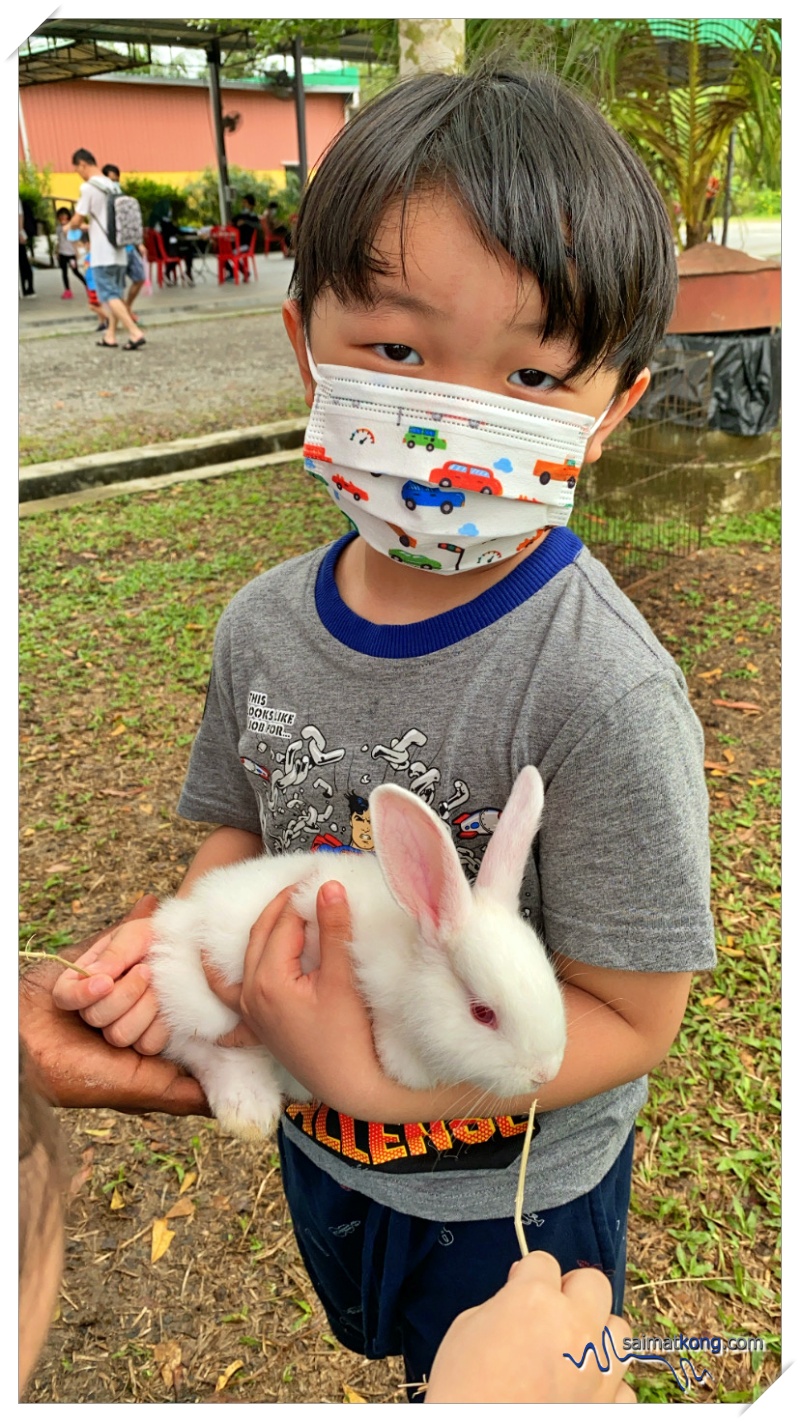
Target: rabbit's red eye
{"type": "Point", "coordinates": [483, 1014]}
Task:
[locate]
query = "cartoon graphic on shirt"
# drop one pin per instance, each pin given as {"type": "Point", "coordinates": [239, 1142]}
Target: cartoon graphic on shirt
{"type": "Point", "coordinates": [475, 822]}
{"type": "Point", "coordinates": [363, 436]}
{"type": "Point", "coordinates": [361, 840]}
{"type": "Point", "coordinates": [314, 794]}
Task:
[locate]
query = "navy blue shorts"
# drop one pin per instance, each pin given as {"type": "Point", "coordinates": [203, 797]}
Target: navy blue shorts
{"type": "Point", "coordinates": [391, 1284]}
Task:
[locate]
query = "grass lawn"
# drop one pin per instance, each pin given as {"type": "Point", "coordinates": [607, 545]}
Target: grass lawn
{"type": "Point", "coordinates": [119, 601]}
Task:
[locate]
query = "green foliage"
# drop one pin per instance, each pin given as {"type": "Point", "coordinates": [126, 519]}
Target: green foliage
{"type": "Point", "coordinates": [753, 200]}
{"type": "Point", "coordinates": [201, 197]}
{"type": "Point", "coordinates": [148, 192]}
{"type": "Point", "coordinates": [34, 185]}
{"type": "Point", "coordinates": [321, 36]}
{"type": "Point", "coordinates": [674, 89]}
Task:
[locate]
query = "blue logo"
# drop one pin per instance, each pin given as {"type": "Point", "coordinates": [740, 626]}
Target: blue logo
{"type": "Point", "coordinates": [683, 1381]}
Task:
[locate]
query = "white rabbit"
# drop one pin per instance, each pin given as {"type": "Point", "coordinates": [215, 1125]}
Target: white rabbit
{"type": "Point", "coordinates": [458, 986]}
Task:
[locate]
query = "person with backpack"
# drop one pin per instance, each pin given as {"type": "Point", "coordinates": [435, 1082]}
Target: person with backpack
{"type": "Point", "coordinates": [135, 252]}
{"type": "Point", "coordinates": [111, 224]}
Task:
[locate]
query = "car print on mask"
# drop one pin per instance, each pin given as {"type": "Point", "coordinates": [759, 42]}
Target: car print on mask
{"type": "Point", "coordinates": [415, 560]}
{"type": "Point", "coordinates": [466, 476]}
{"type": "Point", "coordinates": [419, 437]}
{"type": "Point", "coordinates": [403, 537]}
{"type": "Point", "coordinates": [316, 451]}
{"type": "Point", "coordinates": [345, 486]}
{"type": "Point", "coordinates": [427, 496]}
{"type": "Point", "coordinates": [567, 473]}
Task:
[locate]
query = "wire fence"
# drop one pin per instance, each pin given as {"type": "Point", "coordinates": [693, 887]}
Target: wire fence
{"type": "Point", "coordinates": [664, 476]}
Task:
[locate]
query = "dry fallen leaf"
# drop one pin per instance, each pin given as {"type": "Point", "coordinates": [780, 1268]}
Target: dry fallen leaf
{"type": "Point", "coordinates": [350, 1395]}
{"type": "Point", "coordinates": [168, 1357]}
{"type": "Point", "coordinates": [187, 1182]}
{"type": "Point", "coordinates": [707, 676]}
{"type": "Point", "coordinates": [162, 1239]}
{"type": "Point", "coordinates": [117, 1202]}
{"type": "Point", "coordinates": [181, 1209]}
{"type": "Point", "coordinates": [105, 1132]}
{"type": "Point", "coordinates": [729, 756]}
{"type": "Point", "coordinates": [224, 1378]}
{"type": "Point", "coordinates": [118, 730]}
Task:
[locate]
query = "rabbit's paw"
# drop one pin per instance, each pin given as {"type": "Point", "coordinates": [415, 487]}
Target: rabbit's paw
{"type": "Point", "coordinates": [242, 1091]}
{"type": "Point", "coordinates": [247, 1105]}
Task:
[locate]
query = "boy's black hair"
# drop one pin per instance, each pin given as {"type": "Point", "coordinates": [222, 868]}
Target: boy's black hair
{"type": "Point", "coordinates": [82, 155]}
{"type": "Point", "coordinates": [59, 211]}
{"type": "Point", "coordinates": [536, 170]}
{"type": "Point", "coordinates": [249, 197]}
{"type": "Point", "coordinates": [109, 169]}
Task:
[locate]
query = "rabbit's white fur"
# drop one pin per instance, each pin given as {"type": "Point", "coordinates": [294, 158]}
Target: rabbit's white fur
{"type": "Point", "coordinates": [425, 949]}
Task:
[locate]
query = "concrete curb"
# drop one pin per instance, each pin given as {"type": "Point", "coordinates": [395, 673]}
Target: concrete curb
{"type": "Point", "coordinates": [150, 461]}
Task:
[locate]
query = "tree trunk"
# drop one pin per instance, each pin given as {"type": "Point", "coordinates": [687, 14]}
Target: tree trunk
{"type": "Point", "coordinates": [697, 233]}
{"type": "Point", "coordinates": [427, 45]}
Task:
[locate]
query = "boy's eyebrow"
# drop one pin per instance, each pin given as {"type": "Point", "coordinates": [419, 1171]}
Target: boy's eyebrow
{"type": "Point", "coordinates": [402, 301]}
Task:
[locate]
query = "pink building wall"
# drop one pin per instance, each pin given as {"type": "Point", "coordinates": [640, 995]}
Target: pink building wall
{"type": "Point", "coordinates": [168, 128]}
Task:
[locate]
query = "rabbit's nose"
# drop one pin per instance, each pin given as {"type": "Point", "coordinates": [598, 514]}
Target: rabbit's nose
{"type": "Point", "coordinates": [549, 1067]}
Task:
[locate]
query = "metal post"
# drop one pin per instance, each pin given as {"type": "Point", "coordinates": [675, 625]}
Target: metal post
{"type": "Point", "coordinates": [300, 110]}
{"type": "Point", "coordinates": [726, 208]}
{"type": "Point", "coordinates": [214, 58]}
{"type": "Point", "coordinates": [23, 132]}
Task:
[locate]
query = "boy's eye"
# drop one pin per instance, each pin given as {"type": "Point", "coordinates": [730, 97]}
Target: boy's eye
{"type": "Point", "coordinates": [404, 355]}
{"type": "Point", "coordinates": [533, 379]}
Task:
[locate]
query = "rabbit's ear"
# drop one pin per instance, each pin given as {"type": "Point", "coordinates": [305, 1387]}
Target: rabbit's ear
{"type": "Point", "coordinates": [419, 863]}
{"type": "Point", "coordinates": [503, 864]}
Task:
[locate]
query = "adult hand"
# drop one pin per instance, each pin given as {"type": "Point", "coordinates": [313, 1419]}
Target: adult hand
{"type": "Point", "coordinates": [116, 996]}
{"type": "Point", "coordinates": [73, 1065]}
{"type": "Point", "coordinates": [511, 1349]}
{"type": "Point", "coordinates": [316, 1024]}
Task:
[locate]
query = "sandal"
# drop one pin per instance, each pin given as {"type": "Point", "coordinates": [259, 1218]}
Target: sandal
{"type": "Point", "coordinates": [134, 345]}
{"type": "Point", "coordinates": [108, 345]}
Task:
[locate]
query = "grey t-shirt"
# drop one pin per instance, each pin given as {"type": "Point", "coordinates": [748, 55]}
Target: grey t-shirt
{"type": "Point", "coordinates": [309, 707]}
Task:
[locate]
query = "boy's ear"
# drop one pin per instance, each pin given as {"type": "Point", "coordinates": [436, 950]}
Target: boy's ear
{"type": "Point", "coordinates": [293, 322]}
{"type": "Point", "coordinates": [621, 407]}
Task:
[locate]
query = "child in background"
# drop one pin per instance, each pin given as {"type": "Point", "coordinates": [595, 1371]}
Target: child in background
{"type": "Point", "coordinates": [85, 259]}
{"type": "Point", "coordinates": [67, 256]}
{"type": "Point", "coordinates": [483, 269]}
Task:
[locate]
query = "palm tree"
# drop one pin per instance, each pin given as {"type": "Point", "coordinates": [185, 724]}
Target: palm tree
{"type": "Point", "coordinates": [675, 89]}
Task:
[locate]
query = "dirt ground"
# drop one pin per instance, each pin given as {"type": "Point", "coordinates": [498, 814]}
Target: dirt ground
{"type": "Point", "coordinates": [228, 1305]}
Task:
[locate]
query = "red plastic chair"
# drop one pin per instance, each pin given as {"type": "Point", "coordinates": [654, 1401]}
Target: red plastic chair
{"type": "Point", "coordinates": [226, 241]}
{"type": "Point", "coordinates": [272, 240]}
{"type": "Point", "coordinates": [157, 255]}
{"type": "Point", "coordinates": [248, 255]}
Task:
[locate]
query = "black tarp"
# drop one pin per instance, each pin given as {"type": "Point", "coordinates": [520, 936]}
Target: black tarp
{"type": "Point", "coordinates": [728, 381]}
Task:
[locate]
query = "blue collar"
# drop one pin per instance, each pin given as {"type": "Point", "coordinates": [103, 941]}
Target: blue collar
{"type": "Point", "coordinates": [419, 639]}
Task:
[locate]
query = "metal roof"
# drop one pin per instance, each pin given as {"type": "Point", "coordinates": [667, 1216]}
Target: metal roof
{"type": "Point", "coordinates": [74, 49]}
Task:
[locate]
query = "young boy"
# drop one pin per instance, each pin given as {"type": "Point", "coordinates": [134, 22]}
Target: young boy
{"type": "Point", "coordinates": [482, 271]}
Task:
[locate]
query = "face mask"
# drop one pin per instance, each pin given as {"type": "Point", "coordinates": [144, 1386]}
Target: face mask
{"type": "Point", "coordinates": [442, 477]}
